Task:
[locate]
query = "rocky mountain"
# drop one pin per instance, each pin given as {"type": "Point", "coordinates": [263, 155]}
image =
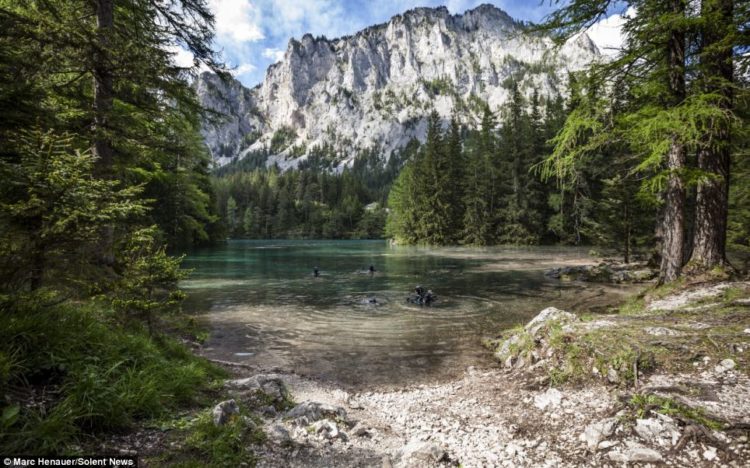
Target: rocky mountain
{"type": "Point", "coordinates": [374, 89]}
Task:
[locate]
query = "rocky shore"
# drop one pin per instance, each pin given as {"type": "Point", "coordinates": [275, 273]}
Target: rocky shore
{"type": "Point", "coordinates": [662, 383]}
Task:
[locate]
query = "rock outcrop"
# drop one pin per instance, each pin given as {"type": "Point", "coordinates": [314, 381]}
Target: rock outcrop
{"type": "Point", "coordinates": [375, 88]}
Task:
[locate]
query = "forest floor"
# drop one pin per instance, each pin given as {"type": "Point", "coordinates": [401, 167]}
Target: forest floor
{"type": "Point", "coordinates": [665, 381]}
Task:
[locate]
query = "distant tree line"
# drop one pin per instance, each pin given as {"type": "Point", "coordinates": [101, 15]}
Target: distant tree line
{"type": "Point", "coordinates": [312, 201]}
{"type": "Point", "coordinates": [483, 186]}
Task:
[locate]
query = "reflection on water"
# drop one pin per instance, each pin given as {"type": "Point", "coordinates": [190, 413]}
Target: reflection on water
{"type": "Point", "coordinates": [265, 306]}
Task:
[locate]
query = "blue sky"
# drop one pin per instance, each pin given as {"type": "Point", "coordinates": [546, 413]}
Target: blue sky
{"type": "Point", "coordinates": [252, 34]}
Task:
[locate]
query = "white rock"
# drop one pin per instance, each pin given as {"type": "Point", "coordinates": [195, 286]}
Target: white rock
{"type": "Point", "coordinates": [418, 453]}
{"type": "Point", "coordinates": [327, 429]}
{"type": "Point", "coordinates": [550, 314]}
{"type": "Point", "coordinates": [725, 365]}
{"type": "Point", "coordinates": [661, 331]}
{"type": "Point", "coordinates": [710, 453]}
{"type": "Point", "coordinates": [551, 398]}
{"type": "Point", "coordinates": [657, 431]}
{"type": "Point", "coordinates": [223, 411]}
{"type": "Point", "coordinates": [635, 454]}
{"type": "Point", "coordinates": [278, 434]}
{"type": "Point", "coordinates": [596, 432]}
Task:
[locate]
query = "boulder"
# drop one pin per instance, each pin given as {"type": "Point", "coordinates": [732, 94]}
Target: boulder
{"type": "Point", "coordinates": [548, 315]}
{"type": "Point", "coordinates": [224, 411]}
{"type": "Point", "coordinates": [278, 434]}
{"type": "Point", "coordinates": [595, 433]}
{"type": "Point", "coordinates": [417, 453]}
{"type": "Point", "coordinates": [268, 387]}
{"type": "Point", "coordinates": [308, 412]}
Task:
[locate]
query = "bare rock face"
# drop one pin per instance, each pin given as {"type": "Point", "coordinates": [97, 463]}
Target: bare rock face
{"type": "Point", "coordinates": [375, 88]}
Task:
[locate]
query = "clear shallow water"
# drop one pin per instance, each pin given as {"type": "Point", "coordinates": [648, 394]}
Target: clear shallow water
{"type": "Point", "coordinates": [265, 307]}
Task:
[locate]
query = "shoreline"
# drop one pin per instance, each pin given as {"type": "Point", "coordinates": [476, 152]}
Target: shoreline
{"type": "Point", "coordinates": [513, 415]}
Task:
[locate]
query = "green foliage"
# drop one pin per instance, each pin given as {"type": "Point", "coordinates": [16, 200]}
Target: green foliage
{"type": "Point", "coordinates": [54, 211]}
{"type": "Point", "coordinates": [102, 375]}
{"type": "Point", "coordinates": [149, 278]}
{"type": "Point", "coordinates": [309, 202]}
{"type": "Point", "coordinates": [282, 139]}
{"type": "Point", "coordinates": [227, 445]}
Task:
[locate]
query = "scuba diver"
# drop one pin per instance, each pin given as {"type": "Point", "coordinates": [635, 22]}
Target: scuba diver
{"type": "Point", "coordinates": [316, 272]}
{"type": "Point", "coordinates": [428, 297]}
{"type": "Point", "coordinates": [422, 297]}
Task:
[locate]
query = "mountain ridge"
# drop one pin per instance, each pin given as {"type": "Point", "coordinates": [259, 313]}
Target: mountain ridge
{"type": "Point", "coordinates": [374, 88]}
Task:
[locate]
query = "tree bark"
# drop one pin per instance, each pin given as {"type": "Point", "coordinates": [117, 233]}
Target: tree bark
{"type": "Point", "coordinates": [716, 68]}
{"type": "Point", "coordinates": [673, 221]}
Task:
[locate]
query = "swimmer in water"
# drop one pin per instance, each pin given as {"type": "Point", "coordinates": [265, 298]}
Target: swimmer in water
{"type": "Point", "coordinates": [371, 270]}
{"type": "Point", "coordinates": [316, 272]}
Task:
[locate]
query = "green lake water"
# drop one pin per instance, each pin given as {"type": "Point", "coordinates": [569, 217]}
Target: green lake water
{"type": "Point", "coordinates": [264, 306]}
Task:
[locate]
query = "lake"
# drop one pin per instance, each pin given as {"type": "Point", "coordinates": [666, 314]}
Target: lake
{"type": "Point", "coordinates": [264, 306]}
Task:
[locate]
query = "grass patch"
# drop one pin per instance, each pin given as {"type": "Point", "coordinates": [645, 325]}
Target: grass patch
{"type": "Point", "coordinates": [72, 370]}
{"type": "Point", "coordinates": [642, 404]}
{"type": "Point", "coordinates": [199, 442]}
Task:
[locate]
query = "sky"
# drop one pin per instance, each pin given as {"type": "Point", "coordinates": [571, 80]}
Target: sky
{"type": "Point", "coordinates": [253, 34]}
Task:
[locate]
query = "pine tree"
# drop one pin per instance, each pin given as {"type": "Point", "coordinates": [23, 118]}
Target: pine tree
{"type": "Point", "coordinates": [477, 219]}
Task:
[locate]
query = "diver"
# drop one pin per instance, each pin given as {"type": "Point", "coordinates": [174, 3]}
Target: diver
{"type": "Point", "coordinates": [428, 297]}
{"type": "Point", "coordinates": [316, 272]}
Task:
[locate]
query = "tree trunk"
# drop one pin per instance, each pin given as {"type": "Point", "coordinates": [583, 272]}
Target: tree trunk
{"type": "Point", "coordinates": [673, 221]}
{"type": "Point", "coordinates": [101, 147]}
{"type": "Point", "coordinates": [709, 238]}
{"type": "Point", "coordinates": [103, 87]}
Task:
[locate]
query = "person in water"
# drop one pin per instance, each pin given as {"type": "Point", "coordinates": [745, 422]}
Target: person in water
{"type": "Point", "coordinates": [316, 272]}
{"type": "Point", "coordinates": [371, 270]}
{"type": "Point", "coordinates": [420, 292]}
{"type": "Point", "coordinates": [428, 297]}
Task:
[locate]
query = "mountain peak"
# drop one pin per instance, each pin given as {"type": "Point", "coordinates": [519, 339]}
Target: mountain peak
{"type": "Point", "coordinates": [373, 89]}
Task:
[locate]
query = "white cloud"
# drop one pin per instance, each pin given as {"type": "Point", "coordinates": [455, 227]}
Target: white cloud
{"type": "Point", "coordinates": [273, 54]}
{"type": "Point", "coordinates": [236, 20]}
{"type": "Point", "coordinates": [243, 69]}
{"type": "Point", "coordinates": [607, 34]}
{"type": "Point", "coordinates": [180, 56]}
